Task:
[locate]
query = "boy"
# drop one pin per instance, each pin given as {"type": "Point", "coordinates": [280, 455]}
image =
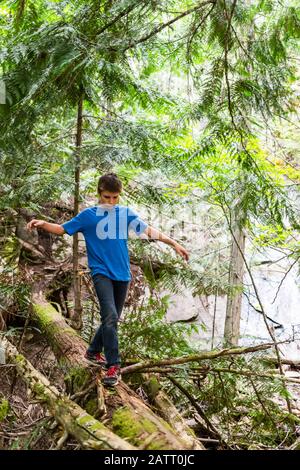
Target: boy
{"type": "Point", "coordinates": [105, 228]}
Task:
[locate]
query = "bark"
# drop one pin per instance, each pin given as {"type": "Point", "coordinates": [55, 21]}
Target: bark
{"type": "Point", "coordinates": [89, 432]}
{"type": "Point", "coordinates": [64, 340]}
{"type": "Point", "coordinates": [295, 445]}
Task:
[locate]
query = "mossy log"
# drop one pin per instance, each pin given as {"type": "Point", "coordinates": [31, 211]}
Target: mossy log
{"type": "Point", "coordinates": [162, 434]}
{"type": "Point", "coordinates": [169, 412]}
{"type": "Point", "coordinates": [131, 418]}
{"type": "Point", "coordinates": [66, 343]}
{"type": "Point", "coordinates": [89, 432]}
{"type": "Point", "coordinates": [68, 347]}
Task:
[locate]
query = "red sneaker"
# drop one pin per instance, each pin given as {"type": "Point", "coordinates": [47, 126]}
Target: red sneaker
{"type": "Point", "coordinates": [96, 358]}
{"type": "Point", "coordinates": [112, 376]}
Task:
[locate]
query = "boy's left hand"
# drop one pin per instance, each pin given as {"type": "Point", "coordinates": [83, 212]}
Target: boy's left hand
{"type": "Point", "coordinates": [181, 251]}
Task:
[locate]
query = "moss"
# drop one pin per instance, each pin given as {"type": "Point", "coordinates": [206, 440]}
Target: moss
{"type": "Point", "coordinates": [50, 319]}
{"type": "Point", "coordinates": [46, 314]}
{"type": "Point", "coordinates": [4, 409]}
{"type": "Point", "coordinates": [158, 444]}
{"type": "Point", "coordinates": [125, 426]}
{"type": "Point", "coordinates": [129, 427]}
{"type": "Point", "coordinates": [96, 426]}
{"type": "Point", "coordinates": [76, 379]}
{"type": "Point", "coordinates": [39, 390]}
{"type": "Point", "coordinates": [91, 406]}
{"type": "Point", "coordinates": [85, 420]}
{"type": "Point", "coordinates": [20, 359]}
{"type": "Point", "coordinates": [148, 426]}
{"type": "Point", "coordinates": [152, 387]}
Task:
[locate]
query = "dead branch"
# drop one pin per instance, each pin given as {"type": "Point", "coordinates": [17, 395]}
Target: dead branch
{"type": "Point", "coordinates": [246, 373]}
{"type": "Point", "coordinates": [195, 357]}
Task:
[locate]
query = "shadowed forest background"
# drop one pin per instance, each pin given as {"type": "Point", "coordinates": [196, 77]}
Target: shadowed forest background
{"type": "Point", "coordinates": [194, 104]}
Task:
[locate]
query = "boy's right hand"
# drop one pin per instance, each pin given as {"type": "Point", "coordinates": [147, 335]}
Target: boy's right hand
{"type": "Point", "coordinates": [35, 223]}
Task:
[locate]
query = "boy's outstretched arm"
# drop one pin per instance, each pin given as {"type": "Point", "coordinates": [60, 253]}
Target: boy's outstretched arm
{"type": "Point", "coordinates": [52, 228]}
{"type": "Point", "coordinates": [155, 234]}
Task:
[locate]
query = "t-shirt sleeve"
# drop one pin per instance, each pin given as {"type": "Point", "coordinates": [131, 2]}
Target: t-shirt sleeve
{"type": "Point", "coordinates": [135, 223]}
{"type": "Point", "coordinates": [74, 225]}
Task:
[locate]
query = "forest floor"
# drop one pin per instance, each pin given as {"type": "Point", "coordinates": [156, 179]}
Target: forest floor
{"type": "Point", "coordinates": [28, 425]}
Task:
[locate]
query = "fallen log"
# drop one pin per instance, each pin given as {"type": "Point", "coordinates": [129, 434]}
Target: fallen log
{"type": "Point", "coordinates": [164, 434]}
{"type": "Point", "coordinates": [169, 412]}
{"type": "Point", "coordinates": [67, 345]}
{"type": "Point", "coordinates": [89, 432]}
{"type": "Point", "coordinates": [130, 417]}
{"type": "Point", "coordinates": [64, 340]}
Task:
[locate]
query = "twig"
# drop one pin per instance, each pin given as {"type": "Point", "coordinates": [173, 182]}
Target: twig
{"type": "Point", "coordinates": [102, 410]}
{"type": "Point", "coordinates": [211, 428]}
{"type": "Point", "coordinates": [263, 406]}
{"type": "Point", "coordinates": [159, 28]}
{"type": "Point", "coordinates": [245, 373]}
{"type": "Point", "coordinates": [279, 325]}
{"type": "Point", "coordinates": [195, 30]}
{"type": "Point", "coordinates": [295, 445]}
{"type": "Point", "coordinates": [274, 360]}
{"type": "Point", "coordinates": [285, 275]}
{"type": "Point", "coordinates": [19, 347]}
{"type": "Point", "coordinates": [82, 393]}
{"type": "Point", "coordinates": [162, 370]}
{"type": "Point", "coordinates": [62, 440]}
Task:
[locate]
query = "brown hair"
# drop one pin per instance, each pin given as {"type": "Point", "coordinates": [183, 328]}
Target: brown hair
{"type": "Point", "coordinates": [109, 182]}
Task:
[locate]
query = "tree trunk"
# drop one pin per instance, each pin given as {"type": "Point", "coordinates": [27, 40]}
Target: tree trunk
{"type": "Point", "coordinates": [89, 432]}
{"type": "Point", "coordinates": [236, 272]}
{"type": "Point", "coordinates": [77, 320]}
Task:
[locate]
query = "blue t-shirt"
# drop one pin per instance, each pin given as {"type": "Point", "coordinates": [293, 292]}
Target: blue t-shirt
{"type": "Point", "coordinates": [105, 229]}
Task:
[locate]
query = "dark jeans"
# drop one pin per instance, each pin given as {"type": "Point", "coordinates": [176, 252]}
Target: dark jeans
{"type": "Point", "coordinates": [111, 295]}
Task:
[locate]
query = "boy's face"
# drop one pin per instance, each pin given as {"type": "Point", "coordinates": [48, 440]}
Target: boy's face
{"type": "Point", "coordinates": [106, 197]}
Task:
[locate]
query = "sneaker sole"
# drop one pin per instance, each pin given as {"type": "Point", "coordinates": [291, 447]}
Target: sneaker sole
{"type": "Point", "coordinates": [95, 363]}
{"type": "Point", "coordinates": [110, 384]}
